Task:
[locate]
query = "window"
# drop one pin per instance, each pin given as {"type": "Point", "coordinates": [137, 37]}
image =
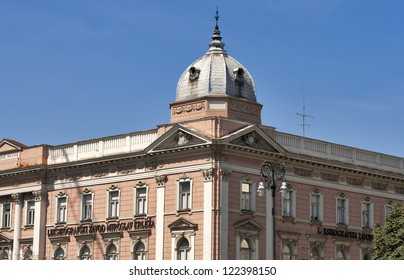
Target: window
{"type": "Point", "coordinates": [342, 252]}
{"type": "Point", "coordinates": [367, 214]}
{"type": "Point", "coordinates": [141, 200]}
{"type": "Point", "coordinates": [246, 196]}
{"type": "Point", "coordinates": [246, 250]}
{"type": "Point", "coordinates": [342, 210]}
{"type": "Point", "coordinates": [316, 251]}
{"type": "Point", "coordinates": [288, 204]}
{"type": "Point", "coordinates": [85, 253]}
{"type": "Point", "coordinates": [61, 216]}
{"type": "Point", "coordinates": [184, 195]}
{"type": "Point", "coordinates": [6, 215]}
{"type": "Point", "coordinates": [87, 207]}
{"type": "Point", "coordinates": [316, 206]}
{"type": "Point", "coordinates": [139, 251]}
{"type": "Point", "coordinates": [59, 254]}
{"type": "Point", "coordinates": [30, 212]}
{"type": "Point", "coordinates": [4, 255]}
{"type": "Point", "coordinates": [27, 254]}
{"type": "Point", "coordinates": [288, 251]}
{"type": "Point", "coordinates": [113, 206]}
{"type": "Point", "coordinates": [387, 208]}
{"type": "Point", "coordinates": [111, 252]}
{"type": "Point", "coordinates": [183, 249]}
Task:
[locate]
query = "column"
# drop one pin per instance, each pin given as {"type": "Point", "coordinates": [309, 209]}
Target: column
{"type": "Point", "coordinates": [224, 214]}
{"type": "Point", "coordinates": [38, 246]}
{"type": "Point", "coordinates": [18, 200]}
{"type": "Point", "coordinates": [207, 214]}
{"type": "Point", "coordinates": [161, 183]}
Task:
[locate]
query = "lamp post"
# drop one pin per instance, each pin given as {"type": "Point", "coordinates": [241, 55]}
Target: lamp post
{"type": "Point", "coordinates": [270, 174]}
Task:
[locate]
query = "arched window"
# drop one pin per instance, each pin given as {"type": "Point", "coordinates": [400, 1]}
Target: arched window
{"type": "Point", "coordinates": [139, 251]}
{"type": "Point", "coordinates": [183, 249]}
{"type": "Point", "coordinates": [342, 252]}
{"type": "Point", "coordinates": [4, 255]}
{"type": "Point", "coordinates": [28, 254]}
{"type": "Point", "coordinates": [85, 253]}
{"type": "Point", "coordinates": [245, 250]}
{"type": "Point", "coordinates": [59, 254]}
{"type": "Point", "coordinates": [111, 253]}
{"type": "Point", "coordinates": [315, 254]}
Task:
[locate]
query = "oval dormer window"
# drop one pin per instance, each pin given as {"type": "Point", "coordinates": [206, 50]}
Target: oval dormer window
{"type": "Point", "coordinates": [193, 73]}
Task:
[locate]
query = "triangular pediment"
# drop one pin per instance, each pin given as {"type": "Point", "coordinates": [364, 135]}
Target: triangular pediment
{"type": "Point", "coordinates": [182, 224]}
{"type": "Point", "coordinates": [248, 224]}
{"type": "Point", "coordinates": [8, 145]}
{"type": "Point", "coordinates": [178, 137]}
{"type": "Point", "coordinates": [5, 240]}
{"type": "Point", "coordinates": [253, 138]}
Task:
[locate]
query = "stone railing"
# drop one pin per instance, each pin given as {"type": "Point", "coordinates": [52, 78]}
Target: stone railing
{"type": "Point", "coordinates": [101, 147]}
{"type": "Point", "coordinates": [330, 151]}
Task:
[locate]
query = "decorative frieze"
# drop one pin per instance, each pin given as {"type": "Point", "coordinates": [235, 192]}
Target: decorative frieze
{"type": "Point", "coordinates": [378, 186]}
{"type": "Point", "coordinates": [399, 190]}
{"type": "Point", "coordinates": [244, 109]}
{"type": "Point", "coordinates": [330, 177]}
{"type": "Point", "coordinates": [302, 172]}
{"type": "Point", "coordinates": [188, 108]}
{"type": "Point", "coordinates": [354, 181]}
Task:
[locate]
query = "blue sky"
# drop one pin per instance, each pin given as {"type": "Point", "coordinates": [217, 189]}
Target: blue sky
{"type": "Point", "coordinates": [74, 70]}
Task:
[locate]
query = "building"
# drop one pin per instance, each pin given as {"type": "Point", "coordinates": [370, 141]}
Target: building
{"type": "Point", "coordinates": [188, 189]}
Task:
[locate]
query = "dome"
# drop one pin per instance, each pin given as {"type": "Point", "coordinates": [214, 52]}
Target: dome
{"type": "Point", "coordinates": [216, 74]}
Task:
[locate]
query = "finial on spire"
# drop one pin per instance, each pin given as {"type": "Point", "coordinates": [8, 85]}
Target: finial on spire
{"type": "Point", "coordinates": [216, 38]}
{"type": "Point", "coordinates": [217, 18]}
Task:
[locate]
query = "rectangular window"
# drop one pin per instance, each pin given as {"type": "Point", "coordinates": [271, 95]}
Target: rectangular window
{"type": "Point", "coordinates": [341, 211]}
{"type": "Point", "coordinates": [6, 215]}
{"type": "Point", "coordinates": [141, 200]}
{"type": "Point", "coordinates": [61, 210]}
{"type": "Point", "coordinates": [184, 195]}
{"type": "Point", "coordinates": [30, 212]}
{"type": "Point", "coordinates": [315, 207]}
{"type": "Point", "coordinates": [246, 196]}
{"type": "Point", "coordinates": [366, 214]}
{"type": "Point", "coordinates": [287, 203]}
{"type": "Point", "coordinates": [87, 207]}
{"type": "Point", "coordinates": [113, 211]}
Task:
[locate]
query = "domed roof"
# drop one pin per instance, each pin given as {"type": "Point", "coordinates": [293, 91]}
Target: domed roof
{"type": "Point", "coordinates": [216, 74]}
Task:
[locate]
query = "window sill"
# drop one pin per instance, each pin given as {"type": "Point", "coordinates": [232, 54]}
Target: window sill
{"type": "Point", "coordinates": [115, 218]}
{"type": "Point", "coordinates": [140, 215]}
{"type": "Point", "coordinates": [86, 221]}
{"type": "Point", "coordinates": [183, 211]}
{"type": "Point", "coordinates": [247, 212]}
{"type": "Point", "coordinates": [316, 222]}
{"type": "Point", "coordinates": [344, 226]}
{"type": "Point", "coordinates": [60, 224]}
{"type": "Point", "coordinates": [289, 219]}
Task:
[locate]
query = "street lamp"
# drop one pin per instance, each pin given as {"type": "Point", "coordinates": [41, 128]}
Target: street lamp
{"type": "Point", "coordinates": [270, 174]}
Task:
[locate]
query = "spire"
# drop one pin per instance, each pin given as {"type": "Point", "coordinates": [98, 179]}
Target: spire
{"type": "Point", "coordinates": [216, 38]}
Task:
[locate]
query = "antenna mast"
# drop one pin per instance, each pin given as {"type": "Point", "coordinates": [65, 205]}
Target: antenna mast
{"type": "Point", "coordinates": [304, 116]}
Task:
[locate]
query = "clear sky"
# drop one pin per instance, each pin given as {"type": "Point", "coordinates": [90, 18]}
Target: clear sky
{"type": "Point", "coordinates": [73, 70]}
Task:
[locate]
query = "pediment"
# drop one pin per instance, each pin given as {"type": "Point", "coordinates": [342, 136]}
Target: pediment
{"type": "Point", "coordinates": [182, 224]}
{"type": "Point", "coordinates": [176, 138]}
{"type": "Point", "coordinates": [5, 240]}
{"type": "Point", "coordinates": [8, 145]}
{"type": "Point", "coordinates": [253, 137]}
{"type": "Point", "coordinates": [248, 224]}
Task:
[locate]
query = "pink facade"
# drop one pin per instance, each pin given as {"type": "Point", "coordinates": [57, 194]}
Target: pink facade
{"type": "Point", "coordinates": [188, 189]}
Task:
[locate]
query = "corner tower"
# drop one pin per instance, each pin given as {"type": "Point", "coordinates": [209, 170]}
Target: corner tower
{"type": "Point", "coordinates": [216, 85]}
